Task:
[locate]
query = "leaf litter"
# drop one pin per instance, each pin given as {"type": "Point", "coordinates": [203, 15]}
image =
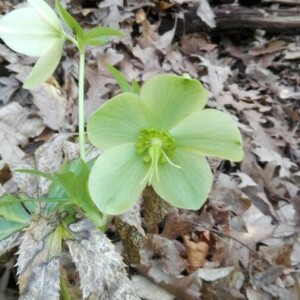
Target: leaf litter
{"type": "Point", "coordinates": [243, 243]}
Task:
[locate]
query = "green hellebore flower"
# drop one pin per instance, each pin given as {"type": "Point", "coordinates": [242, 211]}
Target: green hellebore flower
{"type": "Point", "coordinates": [35, 31]}
{"type": "Point", "coordinates": [160, 137]}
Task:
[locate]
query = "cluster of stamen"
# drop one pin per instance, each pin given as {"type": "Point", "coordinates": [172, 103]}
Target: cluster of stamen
{"type": "Point", "coordinates": [156, 146]}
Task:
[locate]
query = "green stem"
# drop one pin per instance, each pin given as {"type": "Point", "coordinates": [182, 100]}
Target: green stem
{"type": "Point", "coordinates": [70, 39]}
{"type": "Point", "coordinates": [80, 95]}
{"type": "Point", "coordinates": [81, 105]}
{"type": "Point", "coordinates": [64, 291]}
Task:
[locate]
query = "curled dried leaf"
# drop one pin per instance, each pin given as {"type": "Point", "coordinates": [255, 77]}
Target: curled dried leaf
{"type": "Point", "coordinates": [100, 267]}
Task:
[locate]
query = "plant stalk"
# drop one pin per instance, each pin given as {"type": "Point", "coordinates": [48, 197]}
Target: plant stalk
{"type": "Point", "coordinates": [81, 127]}
{"type": "Point", "coordinates": [64, 291]}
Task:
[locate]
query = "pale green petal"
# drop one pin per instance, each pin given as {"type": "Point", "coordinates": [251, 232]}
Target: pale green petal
{"type": "Point", "coordinates": [45, 66]}
{"type": "Point", "coordinates": [47, 14]}
{"type": "Point", "coordinates": [24, 31]}
{"type": "Point", "coordinates": [171, 98]}
{"type": "Point", "coordinates": [187, 187]}
{"type": "Point", "coordinates": [210, 133]}
{"type": "Point", "coordinates": [118, 121]}
{"type": "Point", "coordinates": [115, 179]}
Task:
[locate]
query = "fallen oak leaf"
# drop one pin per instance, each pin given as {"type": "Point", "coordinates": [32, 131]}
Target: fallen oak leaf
{"type": "Point", "coordinates": [197, 251]}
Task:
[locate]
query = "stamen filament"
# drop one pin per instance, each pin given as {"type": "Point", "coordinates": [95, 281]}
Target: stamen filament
{"type": "Point", "coordinates": [169, 161]}
{"type": "Point", "coordinates": [156, 146]}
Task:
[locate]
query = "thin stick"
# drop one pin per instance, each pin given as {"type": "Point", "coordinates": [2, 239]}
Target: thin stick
{"type": "Point", "coordinates": [219, 233]}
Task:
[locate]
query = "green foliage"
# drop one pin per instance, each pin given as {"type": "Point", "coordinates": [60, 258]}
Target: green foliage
{"type": "Point", "coordinates": [74, 179]}
{"type": "Point", "coordinates": [69, 188]}
{"type": "Point", "coordinates": [13, 216]}
{"type": "Point", "coordinates": [122, 81]}
{"type": "Point", "coordinates": [72, 24]}
{"type": "Point", "coordinates": [67, 193]}
{"type": "Point", "coordinates": [99, 35]}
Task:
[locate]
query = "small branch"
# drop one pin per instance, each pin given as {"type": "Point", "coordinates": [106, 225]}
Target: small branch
{"type": "Point", "coordinates": [239, 17]}
{"type": "Point", "coordinates": [236, 18]}
{"type": "Point", "coordinates": [289, 2]}
{"type": "Point", "coordinates": [220, 233]}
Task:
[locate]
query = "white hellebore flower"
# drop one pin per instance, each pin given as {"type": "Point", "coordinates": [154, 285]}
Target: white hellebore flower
{"type": "Point", "coordinates": [35, 31]}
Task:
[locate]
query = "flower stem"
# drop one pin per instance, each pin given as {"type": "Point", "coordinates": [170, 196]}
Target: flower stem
{"type": "Point", "coordinates": [81, 105]}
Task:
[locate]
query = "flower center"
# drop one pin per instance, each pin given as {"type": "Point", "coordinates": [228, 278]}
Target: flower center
{"type": "Point", "coordinates": [156, 146]}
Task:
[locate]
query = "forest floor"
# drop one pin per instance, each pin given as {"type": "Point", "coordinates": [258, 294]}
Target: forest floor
{"type": "Point", "coordinates": [244, 242]}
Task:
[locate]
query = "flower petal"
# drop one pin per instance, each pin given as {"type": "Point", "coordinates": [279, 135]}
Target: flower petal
{"type": "Point", "coordinates": [47, 14]}
{"type": "Point", "coordinates": [115, 178]}
{"type": "Point", "coordinates": [46, 65]}
{"type": "Point", "coordinates": [24, 31]}
{"type": "Point", "coordinates": [118, 121]}
{"type": "Point", "coordinates": [187, 187]}
{"type": "Point", "coordinates": [211, 133]}
{"type": "Point", "coordinates": [171, 98]}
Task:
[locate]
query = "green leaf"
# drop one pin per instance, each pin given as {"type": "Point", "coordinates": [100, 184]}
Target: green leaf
{"type": "Point", "coordinates": [117, 122]}
{"type": "Point", "coordinates": [71, 181]}
{"type": "Point", "coordinates": [7, 200]}
{"type": "Point", "coordinates": [56, 190]}
{"type": "Point", "coordinates": [121, 80]}
{"type": "Point", "coordinates": [74, 178]}
{"type": "Point", "coordinates": [32, 206]}
{"type": "Point", "coordinates": [9, 227]}
{"type": "Point", "coordinates": [13, 217]}
{"type": "Point", "coordinates": [14, 211]}
{"type": "Point", "coordinates": [99, 35]}
{"type": "Point", "coordinates": [135, 86]}
{"type": "Point", "coordinates": [69, 21]}
{"type": "Point", "coordinates": [210, 133]}
{"type": "Point", "coordinates": [57, 195]}
{"type": "Point", "coordinates": [54, 242]}
{"type": "Point", "coordinates": [187, 187]}
{"type": "Point", "coordinates": [115, 180]}
{"type": "Point", "coordinates": [170, 98]}
{"type": "Point", "coordinates": [45, 65]}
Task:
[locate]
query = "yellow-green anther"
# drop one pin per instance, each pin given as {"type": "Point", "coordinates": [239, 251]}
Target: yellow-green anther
{"type": "Point", "coordinates": [156, 146]}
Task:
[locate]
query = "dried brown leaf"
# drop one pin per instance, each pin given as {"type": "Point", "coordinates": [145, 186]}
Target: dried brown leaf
{"type": "Point", "coordinates": [205, 13]}
{"type": "Point", "coordinates": [8, 85]}
{"type": "Point", "coordinates": [216, 75]}
{"type": "Point", "coordinates": [197, 250]}
{"type": "Point", "coordinates": [214, 274]}
{"type": "Point", "coordinates": [149, 290]}
{"type": "Point", "coordinates": [271, 46]}
{"type": "Point", "coordinates": [49, 158]}
{"type": "Point", "coordinates": [10, 242]}
{"type": "Point", "coordinates": [15, 129]}
{"type": "Point", "coordinates": [26, 183]}
{"type": "Point", "coordinates": [149, 35]}
{"type": "Point", "coordinates": [100, 267]}
{"type": "Point", "coordinates": [38, 265]}
{"type": "Point", "coordinates": [51, 104]}
{"type": "Point", "coordinates": [164, 254]}
{"type": "Point", "coordinates": [267, 276]}
{"type": "Point", "coordinates": [258, 225]}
